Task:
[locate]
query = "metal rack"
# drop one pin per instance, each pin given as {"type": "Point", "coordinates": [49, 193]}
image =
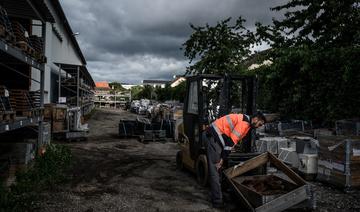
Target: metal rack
{"type": "Point", "coordinates": [115, 100]}
{"type": "Point", "coordinates": [76, 84]}
{"type": "Point", "coordinates": [11, 57]}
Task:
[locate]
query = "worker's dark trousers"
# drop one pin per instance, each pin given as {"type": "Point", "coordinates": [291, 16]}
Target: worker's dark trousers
{"type": "Point", "coordinates": [214, 155]}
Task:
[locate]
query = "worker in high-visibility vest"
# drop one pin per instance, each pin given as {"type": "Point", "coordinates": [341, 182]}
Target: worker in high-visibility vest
{"type": "Point", "coordinates": [223, 134]}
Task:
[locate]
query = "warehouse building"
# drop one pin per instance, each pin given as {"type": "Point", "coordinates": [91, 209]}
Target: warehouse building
{"type": "Point", "coordinates": [65, 64]}
{"type": "Point", "coordinates": [41, 63]}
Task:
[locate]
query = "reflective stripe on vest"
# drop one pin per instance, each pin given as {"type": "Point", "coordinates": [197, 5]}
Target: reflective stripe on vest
{"type": "Point", "coordinates": [228, 148]}
{"type": "Point", "coordinates": [219, 134]}
{"type": "Point", "coordinates": [228, 119]}
{"type": "Point", "coordinates": [248, 117]}
{"type": "Point", "coordinates": [230, 122]}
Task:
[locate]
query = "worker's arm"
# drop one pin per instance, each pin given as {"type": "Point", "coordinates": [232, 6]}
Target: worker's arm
{"type": "Point", "coordinates": [228, 145]}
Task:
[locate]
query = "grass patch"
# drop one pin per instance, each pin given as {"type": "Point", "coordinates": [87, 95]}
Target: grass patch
{"type": "Point", "coordinates": [47, 171]}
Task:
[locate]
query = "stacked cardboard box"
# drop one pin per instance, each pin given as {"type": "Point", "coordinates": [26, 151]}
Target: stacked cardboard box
{"type": "Point", "coordinates": [57, 115]}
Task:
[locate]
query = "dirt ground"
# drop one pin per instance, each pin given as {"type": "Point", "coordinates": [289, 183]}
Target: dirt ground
{"type": "Point", "coordinates": [113, 174]}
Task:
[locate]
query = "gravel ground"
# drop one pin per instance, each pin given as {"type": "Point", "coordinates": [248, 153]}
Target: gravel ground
{"type": "Point", "coordinates": [113, 174]}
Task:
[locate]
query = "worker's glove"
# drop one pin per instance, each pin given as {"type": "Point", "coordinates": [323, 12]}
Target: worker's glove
{"type": "Point", "coordinates": [219, 165]}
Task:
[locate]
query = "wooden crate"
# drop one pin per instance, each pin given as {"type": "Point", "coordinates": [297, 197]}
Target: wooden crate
{"type": "Point", "coordinates": [297, 193]}
{"type": "Point", "coordinates": [339, 161]}
{"type": "Point", "coordinates": [59, 113]}
{"type": "Point", "coordinates": [262, 189]}
{"type": "Point", "coordinates": [59, 126]}
{"type": "Point", "coordinates": [48, 108]}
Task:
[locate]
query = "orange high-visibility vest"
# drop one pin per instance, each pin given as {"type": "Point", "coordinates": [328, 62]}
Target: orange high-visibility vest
{"type": "Point", "coordinates": [233, 126]}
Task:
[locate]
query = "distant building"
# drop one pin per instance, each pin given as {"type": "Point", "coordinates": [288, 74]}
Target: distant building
{"type": "Point", "coordinates": [258, 60]}
{"type": "Point", "coordinates": [102, 86]}
{"type": "Point", "coordinates": [177, 80]}
{"type": "Point", "coordinates": [128, 86]}
{"type": "Point", "coordinates": [156, 83]}
{"type": "Point", "coordinates": [257, 65]}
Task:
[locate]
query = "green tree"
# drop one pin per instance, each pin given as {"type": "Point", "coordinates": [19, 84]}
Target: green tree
{"type": "Point", "coordinates": [179, 92]}
{"type": "Point", "coordinates": [163, 94]}
{"type": "Point", "coordinates": [147, 92]}
{"type": "Point", "coordinates": [218, 49]}
{"type": "Point", "coordinates": [315, 73]}
{"type": "Point", "coordinates": [117, 86]}
{"type": "Point", "coordinates": [135, 92]}
{"type": "Point", "coordinates": [324, 23]}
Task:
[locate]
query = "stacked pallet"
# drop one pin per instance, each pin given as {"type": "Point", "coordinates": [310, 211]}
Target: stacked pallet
{"type": "Point", "coordinates": [38, 44]}
{"type": "Point", "coordinates": [339, 161]}
{"type": "Point", "coordinates": [6, 31]}
{"type": "Point", "coordinates": [22, 38]}
{"type": "Point", "coordinates": [22, 102]}
{"type": "Point", "coordinates": [35, 98]}
{"type": "Point", "coordinates": [6, 112]}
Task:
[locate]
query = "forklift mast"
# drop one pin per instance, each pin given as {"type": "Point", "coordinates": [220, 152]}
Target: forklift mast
{"type": "Point", "coordinates": [210, 97]}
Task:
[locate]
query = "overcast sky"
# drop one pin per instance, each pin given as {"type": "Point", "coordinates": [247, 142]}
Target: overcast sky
{"type": "Point", "coordinates": [131, 40]}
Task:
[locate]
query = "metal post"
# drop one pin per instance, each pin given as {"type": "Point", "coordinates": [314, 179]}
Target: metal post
{"type": "Point", "coordinates": [42, 88]}
{"type": "Point", "coordinates": [59, 85]}
{"type": "Point", "coordinates": [77, 86]}
{"type": "Point", "coordinates": [115, 99]}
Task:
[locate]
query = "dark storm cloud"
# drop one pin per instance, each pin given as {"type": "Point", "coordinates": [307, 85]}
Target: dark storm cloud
{"type": "Point", "coordinates": [116, 33]}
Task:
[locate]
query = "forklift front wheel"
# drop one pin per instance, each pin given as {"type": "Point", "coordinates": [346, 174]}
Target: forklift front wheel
{"type": "Point", "coordinates": [179, 162]}
{"type": "Point", "coordinates": [202, 170]}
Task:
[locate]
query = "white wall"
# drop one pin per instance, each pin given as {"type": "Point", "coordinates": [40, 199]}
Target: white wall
{"type": "Point", "coordinates": [129, 86]}
{"type": "Point", "coordinates": [65, 51]}
{"type": "Point", "coordinates": [56, 51]}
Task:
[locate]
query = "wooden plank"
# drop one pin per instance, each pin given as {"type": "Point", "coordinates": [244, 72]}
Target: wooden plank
{"type": "Point", "coordinates": [247, 166]}
{"type": "Point", "coordinates": [285, 201]}
{"type": "Point", "coordinates": [290, 173]}
{"type": "Point", "coordinates": [253, 197]}
{"type": "Point", "coordinates": [242, 197]}
{"type": "Point", "coordinates": [259, 189]}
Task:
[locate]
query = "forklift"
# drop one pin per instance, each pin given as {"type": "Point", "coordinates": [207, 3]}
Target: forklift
{"type": "Point", "coordinates": [209, 97]}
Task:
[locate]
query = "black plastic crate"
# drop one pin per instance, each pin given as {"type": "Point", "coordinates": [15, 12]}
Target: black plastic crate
{"type": "Point", "coordinates": [127, 128]}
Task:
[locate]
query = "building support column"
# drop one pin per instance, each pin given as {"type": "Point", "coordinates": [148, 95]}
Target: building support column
{"type": "Point", "coordinates": [59, 85]}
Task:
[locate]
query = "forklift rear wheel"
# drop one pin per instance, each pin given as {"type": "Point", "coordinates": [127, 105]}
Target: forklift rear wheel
{"type": "Point", "coordinates": [202, 170]}
{"type": "Point", "coordinates": [179, 162]}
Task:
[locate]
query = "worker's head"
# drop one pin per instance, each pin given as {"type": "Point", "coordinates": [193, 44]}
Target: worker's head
{"type": "Point", "coordinates": [258, 120]}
